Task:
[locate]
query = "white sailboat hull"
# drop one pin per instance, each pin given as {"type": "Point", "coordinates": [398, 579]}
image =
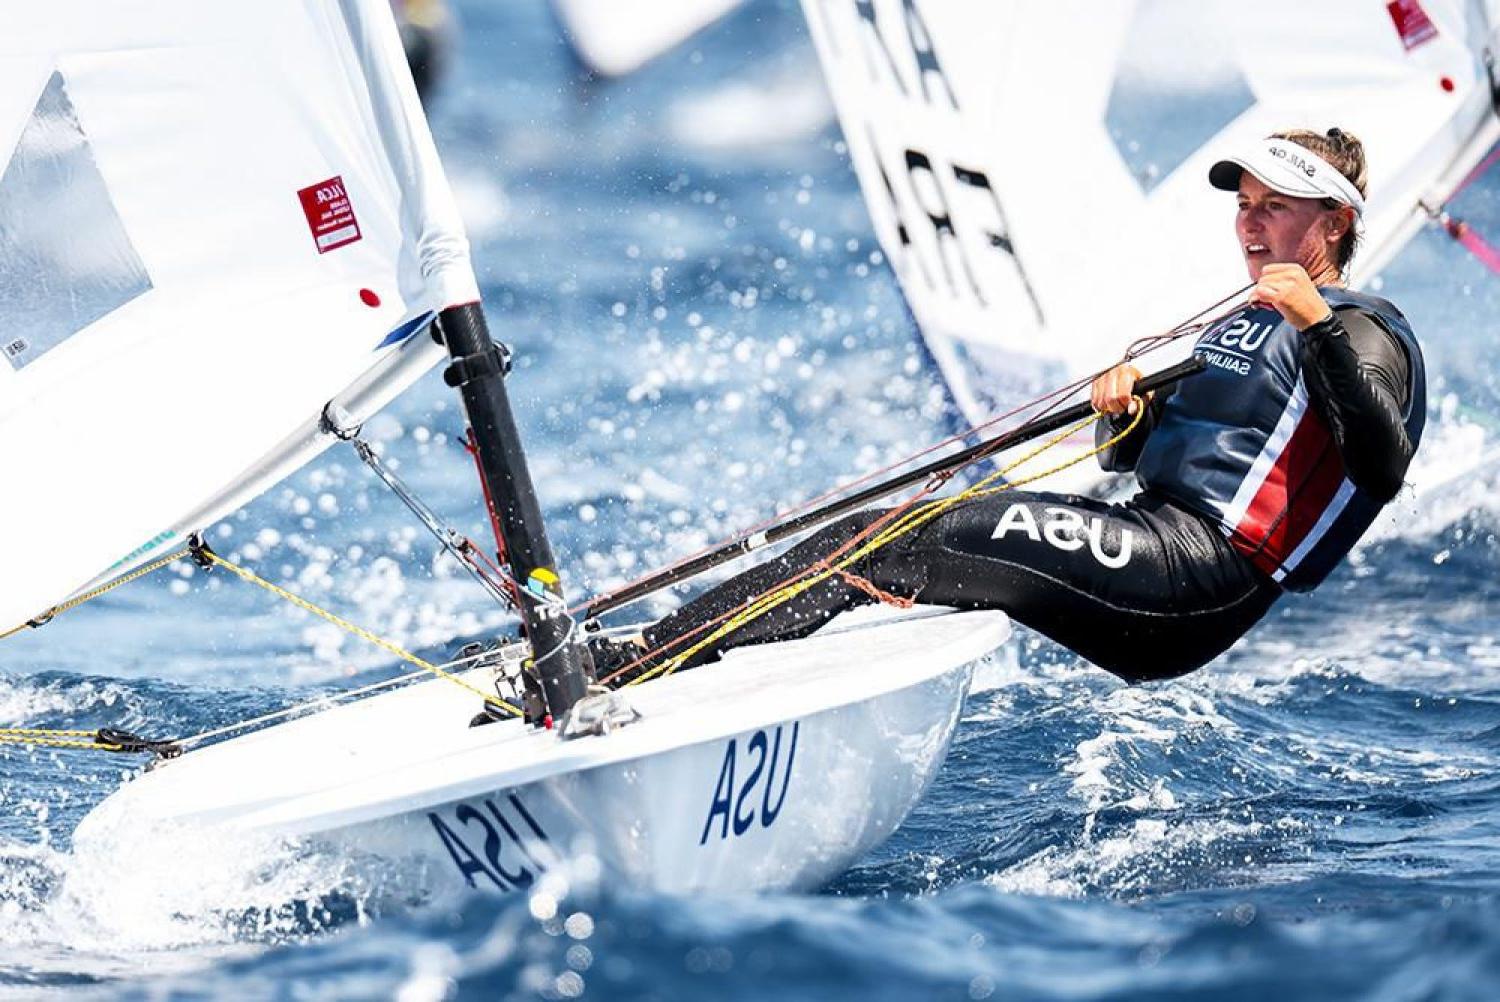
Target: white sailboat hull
{"type": "Point", "coordinates": [774, 769]}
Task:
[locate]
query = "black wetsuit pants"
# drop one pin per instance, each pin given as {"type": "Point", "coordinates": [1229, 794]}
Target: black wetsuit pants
{"type": "Point", "coordinates": [1144, 589]}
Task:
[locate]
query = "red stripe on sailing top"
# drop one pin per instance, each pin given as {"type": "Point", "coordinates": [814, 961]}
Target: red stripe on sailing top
{"type": "Point", "coordinates": [1298, 489]}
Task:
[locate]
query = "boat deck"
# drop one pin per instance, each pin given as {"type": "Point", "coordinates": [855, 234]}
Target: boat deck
{"type": "Point", "coordinates": [402, 749]}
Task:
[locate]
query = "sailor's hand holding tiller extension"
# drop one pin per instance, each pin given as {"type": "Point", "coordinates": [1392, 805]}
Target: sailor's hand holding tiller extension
{"type": "Point", "coordinates": [1114, 391]}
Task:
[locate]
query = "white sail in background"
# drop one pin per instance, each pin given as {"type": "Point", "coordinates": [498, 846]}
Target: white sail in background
{"type": "Point", "coordinates": [214, 219]}
{"type": "Point", "coordinates": [1036, 169]}
{"type": "Point", "coordinates": [616, 37]}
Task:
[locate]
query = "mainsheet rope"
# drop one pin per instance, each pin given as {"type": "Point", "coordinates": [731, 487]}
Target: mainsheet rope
{"type": "Point", "coordinates": [49, 738]}
{"type": "Point", "coordinates": [107, 739]}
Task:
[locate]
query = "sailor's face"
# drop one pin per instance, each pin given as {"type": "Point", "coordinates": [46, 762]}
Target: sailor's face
{"type": "Point", "coordinates": [1281, 229]}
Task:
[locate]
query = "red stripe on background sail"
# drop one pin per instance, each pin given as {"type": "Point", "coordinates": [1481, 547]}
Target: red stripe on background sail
{"type": "Point", "coordinates": [1294, 495]}
{"type": "Point", "coordinates": [1461, 231]}
{"type": "Point", "coordinates": [1476, 245]}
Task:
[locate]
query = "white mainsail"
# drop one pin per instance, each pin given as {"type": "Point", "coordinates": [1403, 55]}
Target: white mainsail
{"type": "Point", "coordinates": [1036, 169]}
{"type": "Point", "coordinates": [214, 220]}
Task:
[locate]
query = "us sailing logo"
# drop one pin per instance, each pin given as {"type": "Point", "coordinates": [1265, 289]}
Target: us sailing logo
{"type": "Point", "coordinates": [1234, 344]}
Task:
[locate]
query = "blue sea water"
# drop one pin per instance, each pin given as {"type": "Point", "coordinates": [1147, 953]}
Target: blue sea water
{"type": "Point", "coordinates": [706, 332]}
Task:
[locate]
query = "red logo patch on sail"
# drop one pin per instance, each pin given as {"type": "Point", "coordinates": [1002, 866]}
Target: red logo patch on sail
{"type": "Point", "coordinates": [1412, 22]}
{"type": "Point", "coordinates": [330, 215]}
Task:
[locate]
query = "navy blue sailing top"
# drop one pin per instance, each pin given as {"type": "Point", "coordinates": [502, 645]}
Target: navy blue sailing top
{"type": "Point", "coordinates": [1261, 443]}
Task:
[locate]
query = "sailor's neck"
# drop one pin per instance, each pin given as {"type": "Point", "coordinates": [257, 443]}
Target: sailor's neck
{"type": "Point", "coordinates": [1328, 278]}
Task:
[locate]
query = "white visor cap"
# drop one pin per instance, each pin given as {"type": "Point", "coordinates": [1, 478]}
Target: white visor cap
{"type": "Point", "coordinates": [1290, 169]}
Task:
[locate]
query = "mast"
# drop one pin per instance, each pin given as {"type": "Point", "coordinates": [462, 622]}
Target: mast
{"type": "Point", "coordinates": [478, 371]}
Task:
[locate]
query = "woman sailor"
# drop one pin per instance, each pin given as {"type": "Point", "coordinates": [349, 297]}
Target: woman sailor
{"type": "Point", "coordinates": [1256, 477]}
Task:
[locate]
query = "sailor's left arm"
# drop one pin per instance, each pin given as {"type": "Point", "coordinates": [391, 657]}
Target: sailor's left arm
{"type": "Point", "coordinates": [1359, 378]}
{"type": "Point", "coordinates": [1357, 375]}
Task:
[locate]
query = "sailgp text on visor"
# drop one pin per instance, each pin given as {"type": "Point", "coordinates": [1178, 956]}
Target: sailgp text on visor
{"type": "Point", "coordinates": [1290, 169]}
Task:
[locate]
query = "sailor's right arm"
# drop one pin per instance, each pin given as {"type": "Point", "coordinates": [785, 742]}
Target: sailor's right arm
{"type": "Point", "coordinates": [1113, 395]}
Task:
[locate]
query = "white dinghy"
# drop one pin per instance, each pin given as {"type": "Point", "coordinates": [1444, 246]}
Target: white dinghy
{"type": "Point", "coordinates": [775, 768]}
{"type": "Point", "coordinates": [275, 234]}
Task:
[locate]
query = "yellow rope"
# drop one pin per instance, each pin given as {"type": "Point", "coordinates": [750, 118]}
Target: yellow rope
{"type": "Point", "coordinates": [89, 596]}
{"type": "Point", "coordinates": [909, 522]}
{"type": "Point", "coordinates": [12, 734]}
{"type": "Point", "coordinates": [49, 739]}
{"type": "Point", "coordinates": [358, 631]}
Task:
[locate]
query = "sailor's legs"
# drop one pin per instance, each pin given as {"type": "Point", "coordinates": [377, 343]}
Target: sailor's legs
{"type": "Point", "coordinates": [795, 618]}
{"type": "Point", "coordinates": [1143, 589]}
